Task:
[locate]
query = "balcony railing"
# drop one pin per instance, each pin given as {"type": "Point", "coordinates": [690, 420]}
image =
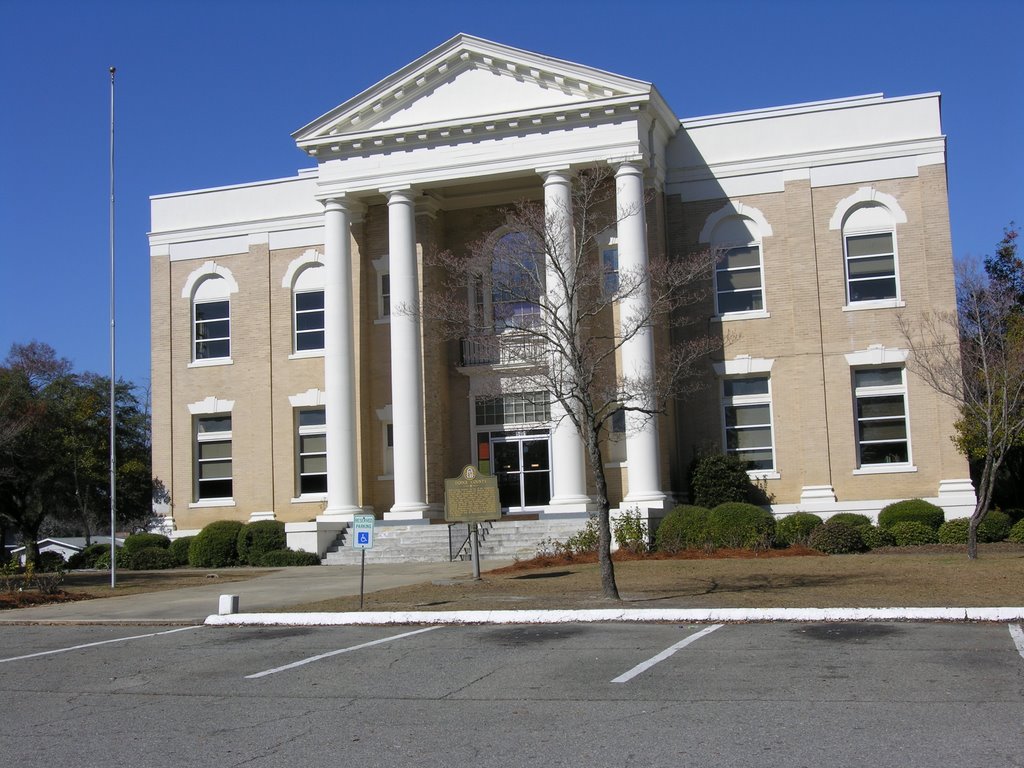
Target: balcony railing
{"type": "Point", "coordinates": [502, 349]}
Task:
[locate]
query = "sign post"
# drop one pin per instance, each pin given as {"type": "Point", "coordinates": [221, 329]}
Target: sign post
{"type": "Point", "coordinates": [472, 498]}
{"type": "Point", "coordinates": [362, 539]}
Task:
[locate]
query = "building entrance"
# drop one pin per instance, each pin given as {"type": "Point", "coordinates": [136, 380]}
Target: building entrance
{"type": "Point", "coordinates": [522, 465]}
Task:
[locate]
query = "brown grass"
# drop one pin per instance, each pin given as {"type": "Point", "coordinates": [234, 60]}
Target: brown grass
{"type": "Point", "coordinates": [932, 576]}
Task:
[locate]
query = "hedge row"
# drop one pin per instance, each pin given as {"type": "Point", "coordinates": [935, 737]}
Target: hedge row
{"type": "Point", "coordinates": [907, 523]}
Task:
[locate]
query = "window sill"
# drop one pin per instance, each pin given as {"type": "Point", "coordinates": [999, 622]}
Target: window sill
{"type": "Point", "coordinates": [211, 503]}
{"type": "Point", "coordinates": [382, 320]}
{"type": "Point", "coordinates": [306, 354]}
{"type": "Point", "coordinates": [857, 306]}
{"type": "Point", "coordinates": [385, 477]}
{"type": "Point", "coordinates": [757, 314]}
{"type": "Point", "coordinates": [885, 469]}
{"type": "Point", "coordinates": [309, 498]}
{"type": "Point", "coordinates": [763, 474]}
{"type": "Point", "coordinates": [211, 362]}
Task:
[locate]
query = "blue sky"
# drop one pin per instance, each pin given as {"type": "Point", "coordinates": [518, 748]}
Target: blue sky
{"type": "Point", "coordinates": [208, 93]}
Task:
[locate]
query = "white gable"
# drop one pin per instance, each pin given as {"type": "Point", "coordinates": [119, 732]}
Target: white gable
{"type": "Point", "coordinates": [474, 93]}
{"type": "Point", "coordinates": [466, 79]}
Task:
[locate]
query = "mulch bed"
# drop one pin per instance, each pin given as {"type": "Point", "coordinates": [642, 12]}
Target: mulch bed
{"type": "Point", "coordinates": [548, 561]}
{"type": "Point", "coordinates": [28, 599]}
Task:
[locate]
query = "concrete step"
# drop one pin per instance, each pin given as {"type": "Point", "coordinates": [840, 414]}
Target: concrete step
{"type": "Point", "coordinates": [504, 539]}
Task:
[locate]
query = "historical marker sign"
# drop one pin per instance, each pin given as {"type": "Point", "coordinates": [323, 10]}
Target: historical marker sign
{"type": "Point", "coordinates": [472, 497]}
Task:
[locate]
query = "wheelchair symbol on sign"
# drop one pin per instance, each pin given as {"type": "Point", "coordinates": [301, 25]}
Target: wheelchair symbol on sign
{"type": "Point", "coordinates": [363, 537]}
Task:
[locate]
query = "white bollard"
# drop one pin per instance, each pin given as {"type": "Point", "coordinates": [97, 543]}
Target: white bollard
{"type": "Point", "coordinates": [228, 605]}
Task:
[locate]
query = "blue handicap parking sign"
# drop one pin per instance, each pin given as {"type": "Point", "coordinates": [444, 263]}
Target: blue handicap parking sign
{"type": "Point", "coordinates": [363, 537]}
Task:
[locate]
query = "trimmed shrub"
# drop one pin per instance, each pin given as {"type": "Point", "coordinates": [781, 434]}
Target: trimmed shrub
{"type": "Point", "coordinates": [835, 537]}
{"type": "Point", "coordinates": [138, 541]}
{"type": "Point", "coordinates": [717, 478]}
{"type": "Point", "coordinates": [737, 524]}
{"type": "Point", "coordinates": [1017, 532]}
{"type": "Point", "coordinates": [283, 558]}
{"type": "Point", "coordinates": [685, 527]}
{"type": "Point", "coordinates": [88, 556]}
{"type": "Point", "coordinates": [995, 526]}
{"type": "Point", "coordinates": [954, 531]}
{"type": "Point", "coordinates": [1016, 514]}
{"type": "Point", "coordinates": [911, 510]}
{"type": "Point", "coordinates": [261, 536]}
{"type": "Point", "coordinates": [874, 537]}
{"type": "Point", "coordinates": [911, 533]}
{"type": "Point", "coordinates": [102, 563]}
{"type": "Point", "coordinates": [179, 549]}
{"type": "Point", "coordinates": [795, 528]}
{"type": "Point", "coordinates": [216, 546]}
{"type": "Point", "coordinates": [51, 561]}
{"type": "Point", "coordinates": [851, 518]}
{"type": "Point", "coordinates": [150, 559]}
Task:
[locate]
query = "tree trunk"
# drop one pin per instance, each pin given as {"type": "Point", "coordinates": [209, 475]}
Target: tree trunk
{"type": "Point", "coordinates": [604, 544]}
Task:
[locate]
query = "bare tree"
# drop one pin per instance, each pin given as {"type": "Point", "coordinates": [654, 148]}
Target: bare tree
{"type": "Point", "coordinates": [974, 355]}
{"type": "Point", "coordinates": [539, 300]}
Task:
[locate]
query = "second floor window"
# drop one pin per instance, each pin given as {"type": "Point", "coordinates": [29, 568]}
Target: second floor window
{"type": "Point", "coordinates": [212, 329]}
{"type": "Point", "coordinates": [309, 321]}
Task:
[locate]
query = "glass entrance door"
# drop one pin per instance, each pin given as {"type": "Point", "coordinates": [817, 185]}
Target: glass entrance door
{"type": "Point", "coordinates": [522, 465]}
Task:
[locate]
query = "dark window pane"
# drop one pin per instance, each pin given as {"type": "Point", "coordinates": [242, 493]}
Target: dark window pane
{"type": "Point", "coordinates": [313, 484]}
{"type": "Point", "coordinates": [753, 386]}
{"type": "Point", "coordinates": [873, 290]}
{"type": "Point", "coordinates": [739, 279]}
{"type": "Point", "coordinates": [506, 457]}
{"type": "Point", "coordinates": [212, 349]}
{"type": "Point", "coordinates": [869, 245]}
{"type": "Point", "coordinates": [215, 489]}
{"type": "Point", "coordinates": [880, 407]}
{"type": "Point", "coordinates": [878, 377]}
{"type": "Point", "coordinates": [312, 417]}
{"type": "Point", "coordinates": [213, 329]}
{"type": "Point", "coordinates": [310, 321]}
{"type": "Point", "coordinates": [884, 453]}
{"type": "Point", "coordinates": [874, 266]}
{"type": "Point", "coordinates": [212, 310]}
{"type": "Point", "coordinates": [309, 340]}
{"type": "Point", "coordinates": [749, 256]}
{"type": "Point", "coordinates": [535, 455]}
{"type": "Point", "coordinates": [310, 300]}
{"type": "Point", "coordinates": [744, 301]}
{"type": "Point", "coordinates": [536, 488]}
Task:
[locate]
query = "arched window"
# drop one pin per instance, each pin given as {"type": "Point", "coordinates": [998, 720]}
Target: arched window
{"type": "Point", "coordinates": [869, 246]}
{"type": "Point", "coordinates": [739, 272]}
{"type": "Point", "coordinates": [211, 319]}
{"type": "Point", "coordinates": [308, 310]}
{"type": "Point", "coordinates": [516, 282]}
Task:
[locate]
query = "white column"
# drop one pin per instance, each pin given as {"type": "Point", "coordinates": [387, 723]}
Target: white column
{"type": "Point", "coordinates": [637, 352]}
{"type": "Point", "coordinates": [339, 363]}
{"type": "Point", "coordinates": [568, 468]}
{"type": "Point", "coordinates": [406, 361]}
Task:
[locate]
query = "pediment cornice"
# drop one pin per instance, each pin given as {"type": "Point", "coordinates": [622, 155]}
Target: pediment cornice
{"type": "Point", "coordinates": [466, 87]}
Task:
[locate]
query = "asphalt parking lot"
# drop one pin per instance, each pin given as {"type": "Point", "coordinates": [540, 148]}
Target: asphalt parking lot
{"type": "Point", "coordinates": [838, 694]}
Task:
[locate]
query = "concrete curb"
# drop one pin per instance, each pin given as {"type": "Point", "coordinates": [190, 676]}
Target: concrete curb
{"type": "Point", "coordinates": [684, 615]}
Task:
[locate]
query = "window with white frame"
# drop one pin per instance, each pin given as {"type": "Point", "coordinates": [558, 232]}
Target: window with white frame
{"type": "Point", "coordinates": [311, 450]}
{"type": "Point", "coordinates": [211, 320]}
{"type": "Point", "coordinates": [384, 295]}
{"type": "Point", "coordinates": [213, 471]}
{"type": "Point", "coordinates": [521, 408]}
{"type": "Point", "coordinates": [747, 416]}
{"type": "Point", "coordinates": [610, 270]}
{"type": "Point", "coordinates": [739, 272]}
{"type": "Point", "coordinates": [517, 280]}
{"type": "Point", "coordinates": [308, 310]}
{"type": "Point", "coordinates": [880, 396]}
{"type": "Point", "coordinates": [869, 245]}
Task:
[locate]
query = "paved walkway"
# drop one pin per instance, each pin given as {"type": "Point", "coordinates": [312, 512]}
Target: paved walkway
{"type": "Point", "coordinates": [272, 592]}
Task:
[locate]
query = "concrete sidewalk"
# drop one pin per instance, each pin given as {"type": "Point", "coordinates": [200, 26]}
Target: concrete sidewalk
{"type": "Point", "coordinates": [272, 592]}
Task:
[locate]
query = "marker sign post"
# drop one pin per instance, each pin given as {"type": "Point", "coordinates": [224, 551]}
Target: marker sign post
{"type": "Point", "coordinates": [472, 498]}
{"type": "Point", "coordinates": [362, 539]}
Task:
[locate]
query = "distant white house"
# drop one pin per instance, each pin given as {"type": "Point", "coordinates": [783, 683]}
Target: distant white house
{"type": "Point", "coordinates": [65, 547]}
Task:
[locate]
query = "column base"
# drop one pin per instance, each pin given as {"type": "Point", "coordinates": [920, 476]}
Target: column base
{"type": "Point", "coordinates": [413, 512]}
{"type": "Point", "coordinates": [255, 516]}
{"type": "Point", "coordinates": [817, 498]}
{"type": "Point", "coordinates": [957, 497]}
{"type": "Point", "coordinates": [342, 513]}
{"type": "Point", "coordinates": [569, 505]}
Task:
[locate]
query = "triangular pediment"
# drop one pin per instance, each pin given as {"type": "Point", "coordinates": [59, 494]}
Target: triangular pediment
{"type": "Point", "coordinates": [467, 80]}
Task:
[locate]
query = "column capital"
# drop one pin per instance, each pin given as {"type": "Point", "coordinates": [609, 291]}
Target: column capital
{"type": "Point", "coordinates": [345, 203]}
{"type": "Point", "coordinates": [632, 166]}
{"type": "Point", "coordinates": [555, 174]}
{"type": "Point", "coordinates": [402, 194]}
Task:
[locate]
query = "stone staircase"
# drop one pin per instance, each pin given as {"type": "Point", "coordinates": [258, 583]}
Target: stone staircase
{"type": "Point", "coordinates": [500, 540]}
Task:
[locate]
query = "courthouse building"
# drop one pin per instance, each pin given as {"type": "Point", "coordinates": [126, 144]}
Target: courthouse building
{"type": "Point", "coordinates": [284, 387]}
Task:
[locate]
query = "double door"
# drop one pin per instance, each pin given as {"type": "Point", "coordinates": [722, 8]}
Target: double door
{"type": "Point", "coordinates": [522, 464]}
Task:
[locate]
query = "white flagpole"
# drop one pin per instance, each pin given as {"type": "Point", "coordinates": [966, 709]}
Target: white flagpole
{"type": "Point", "coordinates": [113, 377]}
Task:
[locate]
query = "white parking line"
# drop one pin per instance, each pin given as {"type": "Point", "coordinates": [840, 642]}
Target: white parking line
{"type": "Point", "coordinates": [93, 645]}
{"type": "Point", "coordinates": [311, 659]}
{"type": "Point", "coordinates": [627, 676]}
{"type": "Point", "coordinates": [1018, 638]}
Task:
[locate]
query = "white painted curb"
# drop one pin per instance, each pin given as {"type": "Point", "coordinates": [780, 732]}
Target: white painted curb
{"type": "Point", "coordinates": [687, 615]}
